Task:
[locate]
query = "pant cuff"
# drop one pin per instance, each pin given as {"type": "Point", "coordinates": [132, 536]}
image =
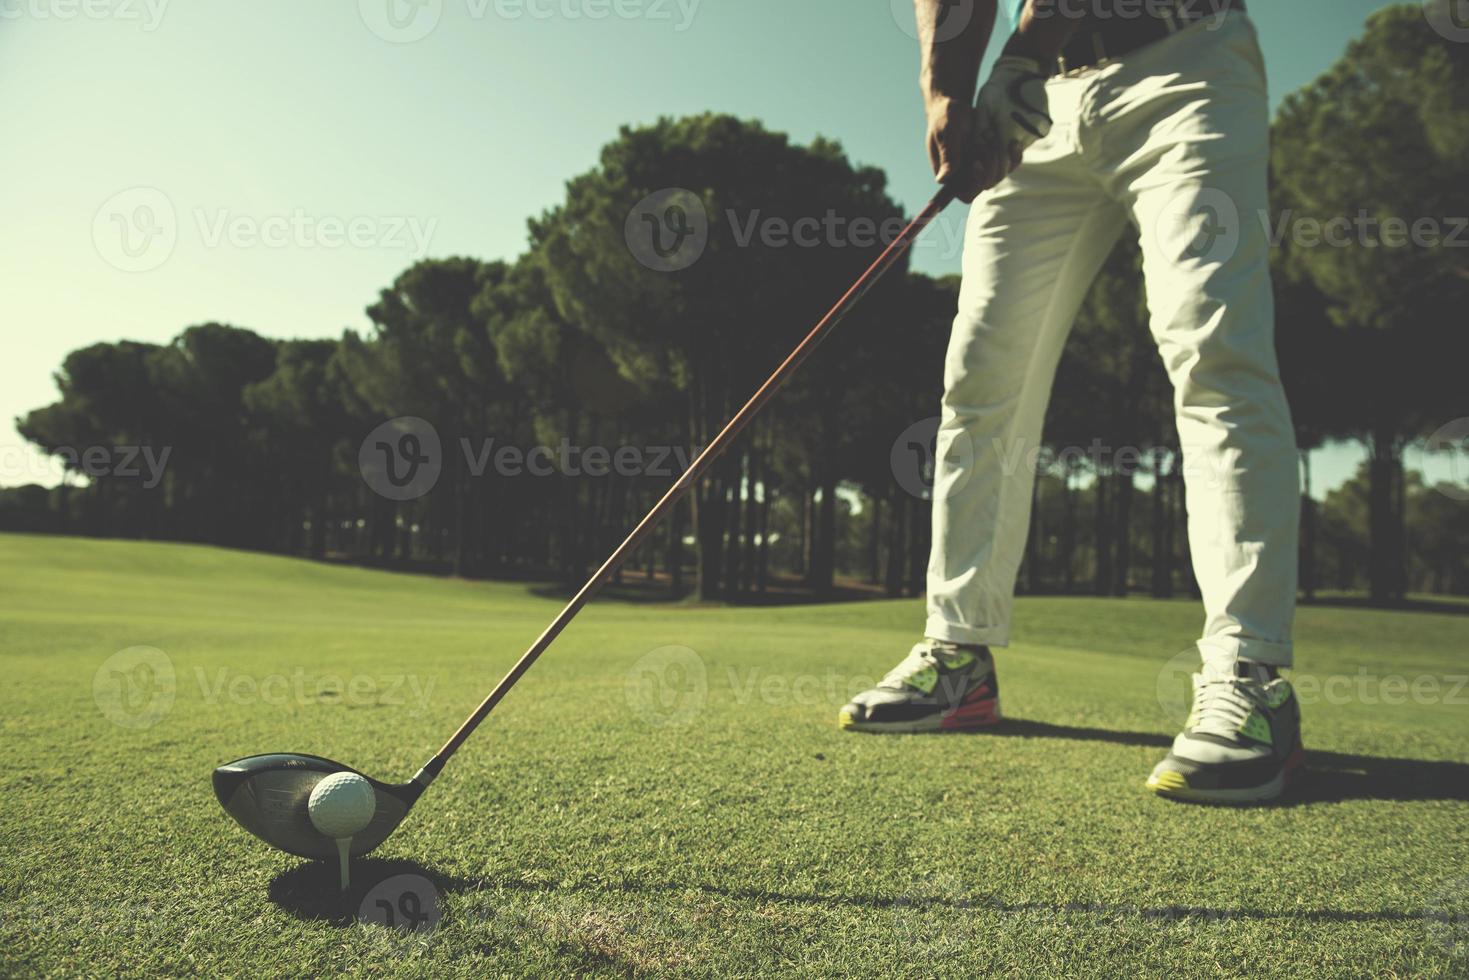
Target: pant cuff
{"type": "Point", "coordinates": [1232, 648]}
{"type": "Point", "coordinates": [990, 636]}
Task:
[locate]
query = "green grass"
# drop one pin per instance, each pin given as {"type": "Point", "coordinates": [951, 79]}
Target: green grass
{"type": "Point", "coordinates": [732, 830]}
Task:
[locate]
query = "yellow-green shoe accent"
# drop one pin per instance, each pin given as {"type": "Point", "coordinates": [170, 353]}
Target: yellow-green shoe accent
{"type": "Point", "coordinates": [1257, 728]}
{"type": "Point", "coordinates": [1167, 781]}
{"type": "Point", "coordinates": [924, 680]}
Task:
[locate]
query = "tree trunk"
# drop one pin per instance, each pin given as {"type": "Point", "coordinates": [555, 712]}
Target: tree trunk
{"type": "Point", "coordinates": [381, 527]}
{"type": "Point", "coordinates": [803, 556]}
{"type": "Point", "coordinates": [749, 559]}
{"type": "Point", "coordinates": [1400, 531]}
{"type": "Point", "coordinates": [710, 535]}
{"type": "Point", "coordinates": [614, 499]}
{"type": "Point", "coordinates": [1032, 537]}
{"type": "Point", "coordinates": [462, 532]}
{"type": "Point", "coordinates": [823, 563]}
{"type": "Point", "coordinates": [762, 572]}
{"type": "Point", "coordinates": [734, 510]}
{"type": "Point", "coordinates": [1190, 580]}
{"type": "Point", "coordinates": [1308, 531]}
{"type": "Point", "coordinates": [1384, 557]}
{"type": "Point", "coordinates": [675, 550]}
{"type": "Point", "coordinates": [63, 507]}
{"type": "Point", "coordinates": [571, 561]}
{"type": "Point", "coordinates": [494, 501]}
{"type": "Point", "coordinates": [320, 515]}
{"type": "Point", "coordinates": [897, 557]}
{"type": "Point", "coordinates": [101, 494]}
{"type": "Point", "coordinates": [919, 534]}
{"type": "Point", "coordinates": [874, 545]}
{"type": "Point", "coordinates": [1101, 535]}
{"type": "Point", "coordinates": [1162, 584]}
{"type": "Point", "coordinates": [650, 554]}
{"type": "Point", "coordinates": [1122, 535]}
{"type": "Point", "coordinates": [1068, 532]}
{"type": "Point", "coordinates": [705, 497]}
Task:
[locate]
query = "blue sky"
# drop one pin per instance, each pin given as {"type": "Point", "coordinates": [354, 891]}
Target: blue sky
{"type": "Point", "coordinates": [307, 152]}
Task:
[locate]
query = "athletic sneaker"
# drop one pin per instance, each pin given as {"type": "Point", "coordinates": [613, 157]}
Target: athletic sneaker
{"type": "Point", "coordinates": [938, 687]}
{"type": "Point", "coordinates": [1242, 740]}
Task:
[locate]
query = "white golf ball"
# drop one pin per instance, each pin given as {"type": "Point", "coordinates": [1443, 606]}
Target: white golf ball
{"type": "Point", "coordinates": [342, 804]}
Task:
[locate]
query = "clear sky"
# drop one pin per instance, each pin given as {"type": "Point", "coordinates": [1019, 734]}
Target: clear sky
{"type": "Point", "coordinates": [292, 157]}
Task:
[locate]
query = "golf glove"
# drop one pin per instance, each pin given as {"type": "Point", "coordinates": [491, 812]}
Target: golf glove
{"type": "Point", "coordinates": [1012, 109]}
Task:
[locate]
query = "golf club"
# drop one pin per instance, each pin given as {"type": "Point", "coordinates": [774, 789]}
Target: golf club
{"type": "Point", "coordinates": [270, 795]}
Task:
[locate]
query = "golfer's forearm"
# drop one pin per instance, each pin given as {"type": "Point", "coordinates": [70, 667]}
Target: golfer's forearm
{"type": "Point", "coordinates": [1045, 27]}
{"type": "Point", "coordinates": [950, 61]}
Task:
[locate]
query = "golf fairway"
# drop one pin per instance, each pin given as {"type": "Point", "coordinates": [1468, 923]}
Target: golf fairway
{"type": "Point", "coordinates": [666, 793]}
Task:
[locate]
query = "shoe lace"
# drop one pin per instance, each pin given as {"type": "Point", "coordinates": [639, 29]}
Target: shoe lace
{"type": "Point", "coordinates": [919, 659]}
{"type": "Point", "coordinates": [1222, 704]}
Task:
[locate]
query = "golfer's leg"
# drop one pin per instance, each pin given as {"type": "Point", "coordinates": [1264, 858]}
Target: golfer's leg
{"type": "Point", "coordinates": [1197, 189]}
{"type": "Point", "coordinates": [1032, 248]}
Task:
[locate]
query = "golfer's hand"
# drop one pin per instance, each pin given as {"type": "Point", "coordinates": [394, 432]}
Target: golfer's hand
{"type": "Point", "coordinates": [951, 150]}
{"type": "Point", "coordinates": [1013, 112]}
{"type": "Point", "coordinates": [975, 149]}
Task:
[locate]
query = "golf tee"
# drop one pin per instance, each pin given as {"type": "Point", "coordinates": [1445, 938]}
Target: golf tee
{"type": "Point", "coordinates": [344, 852]}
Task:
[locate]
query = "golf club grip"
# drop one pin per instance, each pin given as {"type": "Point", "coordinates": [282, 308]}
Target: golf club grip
{"type": "Point", "coordinates": [696, 469]}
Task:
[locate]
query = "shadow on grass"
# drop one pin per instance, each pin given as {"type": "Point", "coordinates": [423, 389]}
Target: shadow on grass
{"type": "Point", "coordinates": [310, 891]}
{"type": "Point", "coordinates": [1331, 777]}
{"type": "Point", "coordinates": [963, 902]}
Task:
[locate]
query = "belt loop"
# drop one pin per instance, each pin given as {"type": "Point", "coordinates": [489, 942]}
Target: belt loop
{"type": "Point", "coordinates": [1098, 48]}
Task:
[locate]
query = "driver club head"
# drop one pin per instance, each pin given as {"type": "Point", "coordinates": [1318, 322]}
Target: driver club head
{"type": "Point", "coordinates": [268, 796]}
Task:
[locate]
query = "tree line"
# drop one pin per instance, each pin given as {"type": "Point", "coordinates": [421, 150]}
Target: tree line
{"type": "Point", "coordinates": [606, 341]}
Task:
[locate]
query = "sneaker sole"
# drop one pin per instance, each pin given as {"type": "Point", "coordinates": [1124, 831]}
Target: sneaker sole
{"type": "Point", "coordinates": [966, 717]}
{"type": "Point", "coordinates": [1174, 785]}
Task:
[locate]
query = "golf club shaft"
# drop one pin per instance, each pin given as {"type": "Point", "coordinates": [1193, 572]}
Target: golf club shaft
{"type": "Point", "coordinates": [696, 469]}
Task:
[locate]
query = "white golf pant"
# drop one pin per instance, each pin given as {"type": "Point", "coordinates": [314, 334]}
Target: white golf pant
{"type": "Point", "coordinates": [1174, 137]}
